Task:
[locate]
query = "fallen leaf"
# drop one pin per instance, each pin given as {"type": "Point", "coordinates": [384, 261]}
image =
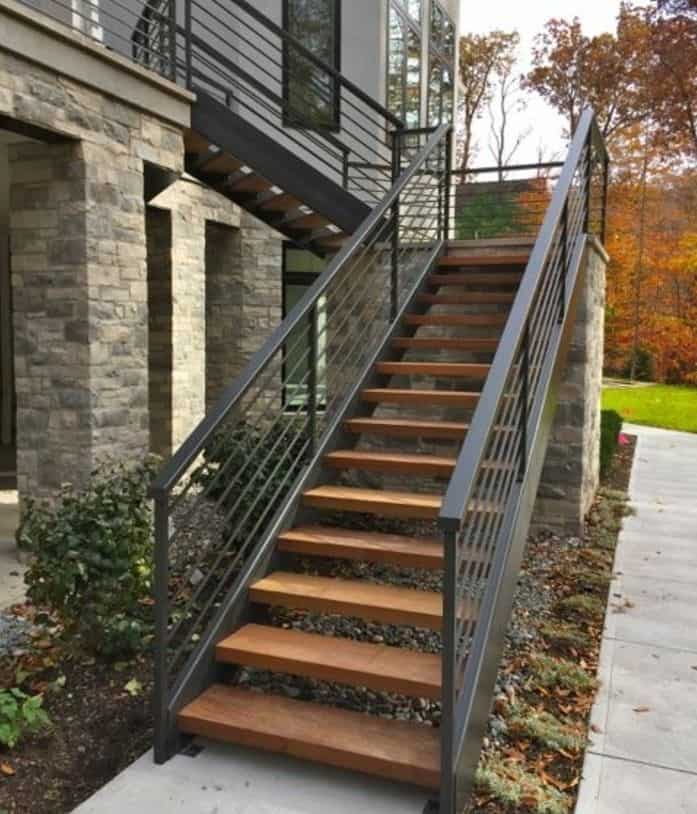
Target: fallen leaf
{"type": "Point", "coordinates": [642, 709]}
{"type": "Point", "coordinates": [595, 728]}
{"type": "Point", "coordinates": [6, 769]}
{"type": "Point", "coordinates": [134, 687]}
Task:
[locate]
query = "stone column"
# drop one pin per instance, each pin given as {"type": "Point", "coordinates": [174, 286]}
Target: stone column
{"type": "Point", "coordinates": [79, 281]}
{"type": "Point", "coordinates": [571, 473]}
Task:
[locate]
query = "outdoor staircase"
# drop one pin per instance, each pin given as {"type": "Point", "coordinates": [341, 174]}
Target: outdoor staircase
{"type": "Point", "coordinates": [445, 359]}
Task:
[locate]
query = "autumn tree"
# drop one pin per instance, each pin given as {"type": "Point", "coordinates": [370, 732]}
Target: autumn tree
{"type": "Point", "coordinates": [482, 57]}
{"type": "Point", "coordinates": [572, 70]}
{"type": "Point", "coordinates": [671, 76]}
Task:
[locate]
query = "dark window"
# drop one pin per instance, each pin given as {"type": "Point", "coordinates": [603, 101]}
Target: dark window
{"type": "Point", "coordinates": [300, 270]}
{"type": "Point", "coordinates": [311, 93]}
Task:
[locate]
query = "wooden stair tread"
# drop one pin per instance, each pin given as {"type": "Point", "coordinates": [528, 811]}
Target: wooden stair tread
{"type": "Point", "coordinates": [282, 202]}
{"type": "Point", "coordinates": [250, 183]}
{"type": "Point", "coordinates": [327, 658]}
{"type": "Point", "coordinates": [444, 369]}
{"type": "Point", "coordinates": [466, 261]}
{"type": "Point", "coordinates": [393, 395]}
{"type": "Point", "coordinates": [222, 164]}
{"type": "Point", "coordinates": [407, 428]}
{"type": "Point", "coordinates": [468, 298]}
{"type": "Point", "coordinates": [474, 278]}
{"type": "Point", "coordinates": [435, 466]}
{"type": "Point", "coordinates": [398, 750]}
{"type": "Point", "coordinates": [381, 603]}
{"type": "Point", "coordinates": [485, 345]}
{"type": "Point", "coordinates": [195, 143]}
{"type": "Point", "coordinates": [311, 220]}
{"type": "Point", "coordinates": [496, 320]}
{"type": "Point", "coordinates": [372, 501]}
{"type": "Point", "coordinates": [369, 546]}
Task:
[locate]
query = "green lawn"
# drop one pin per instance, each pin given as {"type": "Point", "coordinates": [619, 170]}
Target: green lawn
{"type": "Point", "coordinates": [660, 405]}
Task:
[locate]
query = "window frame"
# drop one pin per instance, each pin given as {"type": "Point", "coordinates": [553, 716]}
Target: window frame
{"type": "Point", "coordinates": [417, 29]}
{"type": "Point", "coordinates": [306, 278]}
{"type": "Point", "coordinates": [291, 123]}
{"type": "Point", "coordinates": [439, 58]}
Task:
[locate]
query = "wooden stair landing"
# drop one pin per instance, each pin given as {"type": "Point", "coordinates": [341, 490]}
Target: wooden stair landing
{"type": "Point", "coordinates": [398, 750]}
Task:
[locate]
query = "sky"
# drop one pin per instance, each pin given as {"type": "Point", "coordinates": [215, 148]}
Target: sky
{"type": "Point", "coordinates": [529, 17]}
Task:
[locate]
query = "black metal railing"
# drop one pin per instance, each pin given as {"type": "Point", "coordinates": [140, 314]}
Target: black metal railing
{"type": "Point", "coordinates": [140, 30]}
{"type": "Point", "coordinates": [486, 511]}
{"type": "Point", "coordinates": [231, 51]}
{"type": "Point", "coordinates": [222, 498]}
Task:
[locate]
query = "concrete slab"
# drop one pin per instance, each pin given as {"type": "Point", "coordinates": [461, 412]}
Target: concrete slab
{"type": "Point", "coordinates": [617, 787]}
{"type": "Point", "coordinates": [643, 753]}
{"type": "Point", "coordinates": [11, 570]}
{"type": "Point", "coordinates": [231, 780]}
{"type": "Point", "coordinates": [662, 612]}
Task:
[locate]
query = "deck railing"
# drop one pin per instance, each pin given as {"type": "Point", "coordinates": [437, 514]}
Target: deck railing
{"type": "Point", "coordinates": [487, 508]}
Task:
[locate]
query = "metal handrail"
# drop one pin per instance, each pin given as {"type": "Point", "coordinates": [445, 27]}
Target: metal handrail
{"type": "Point", "coordinates": [198, 439]}
{"type": "Point", "coordinates": [461, 483]}
{"type": "Point", "coordinates": [510, 425]}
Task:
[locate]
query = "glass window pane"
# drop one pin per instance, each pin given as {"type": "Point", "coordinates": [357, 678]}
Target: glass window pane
{"type": "Point", "coordinates": [435, 91]}
{"type": "Point", "coordinates": [448, 95]}
{"type": "Point", "coordinates": [413, 89]}
{"type": "Point", "coordinates": [437, 23]}
{"type": "Point", "coordinates": [396, 62]}
{"type": "Point", "coordinates": [311, 93]}
{"type": "Point", "coordinates": [415, 10]}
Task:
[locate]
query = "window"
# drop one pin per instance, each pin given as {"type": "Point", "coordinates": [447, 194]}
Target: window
{"type": "Point", "coordinates": [441, 95]}
{"type": "Point", "coordinates": [300, 270]}
{"type": "Point", "coordinates": [404, 61]}
{"type": "Point", "coordinates": [311, 95]}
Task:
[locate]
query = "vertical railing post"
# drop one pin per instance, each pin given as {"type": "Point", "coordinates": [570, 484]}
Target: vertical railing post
{"type": "Point", "coordinates": [187, 43]}
{"type": "Point", "coordinates": [161, 596]}
{"type": "Point", "coordinates": [589, 183]}
{"type": "Point", "coordinates": [173, 40]}
{"type": "Point", "coordinates": [603, 214]}
{"type": "Point", "coordinates": [448, 668]}
{"type": "Point", "coordinates": [447, 183]}
{"type": "Point", "coordinates": [313, 361]}
{"type": "Point", "coordinates": [524, 397]}
{"type": "Point", "coordinates": [394, 271]}
{"type": "Point", "coordinates": [564, 260]}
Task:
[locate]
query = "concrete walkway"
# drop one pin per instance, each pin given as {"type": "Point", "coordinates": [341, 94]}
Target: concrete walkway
{"type": "Point", "coordinates": [643, 758]}
{"type": "Point", "coordinates": [11, 570]}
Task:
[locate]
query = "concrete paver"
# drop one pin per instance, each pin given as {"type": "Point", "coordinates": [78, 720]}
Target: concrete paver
{"type": "Point", "coordinates": [643, 755]}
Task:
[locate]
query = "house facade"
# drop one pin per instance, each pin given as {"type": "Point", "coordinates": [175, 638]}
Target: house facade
{"type": "Point", "coordinates": [132, 292]}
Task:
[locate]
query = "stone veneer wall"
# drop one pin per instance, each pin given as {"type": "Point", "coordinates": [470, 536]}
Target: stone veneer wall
{"type": "Point", "coordinates": [79, 274]}
{"type": "Point", "coordinates": [244, 298]}
{"type": "Point", "coordinates": [571, 473]}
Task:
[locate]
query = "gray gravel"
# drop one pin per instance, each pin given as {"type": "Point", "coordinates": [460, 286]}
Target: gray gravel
{"type": "Point", "coordinates": [14, 634]}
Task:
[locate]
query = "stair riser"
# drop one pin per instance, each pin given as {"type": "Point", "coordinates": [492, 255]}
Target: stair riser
{"type": "Point", "coordinates": [381, 509]}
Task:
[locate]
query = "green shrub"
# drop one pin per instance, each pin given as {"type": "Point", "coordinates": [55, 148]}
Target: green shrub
{"type": "Point", "coordinates": [20, 715]}
{"type": "Point", "coordinates": [92, 558]}
{"type": "Point", "coordinates": [610, 428]}
{"type": "Point", "coordinates": [510, 785]}
{"type": "Point", "coordinates": [543, 728]}
{"type": "Point", "coordinates": [551, 672]}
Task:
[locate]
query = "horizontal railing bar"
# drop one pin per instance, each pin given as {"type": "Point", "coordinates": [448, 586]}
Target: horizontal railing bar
{"type": "Point", "coordinates": [339, 77]}
{"type": "Point", "coordinates": [544, 165]}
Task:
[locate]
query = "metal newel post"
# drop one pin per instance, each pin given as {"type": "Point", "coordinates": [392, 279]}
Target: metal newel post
{"type": "Point", "coordinates": [448, 668]}
{"type": "Point", "coordinates": [524, 396]}
{"type": "Point", "coordinates": [606, 181]}
{"type": "Point", "coordinates": [448, 179]}
{"type": "Point", "coordinates": [564, 259]}
{"type": "Point", "coordinates": [394, 276]}
{"type": "Point", "coordinates": [312, 383]}
{"type": "Point", "coordinates": [187, 43]}
{"type": "Point", "coordinates": [589, 182]}
{"type": "Point", "coordinates": [161, 596]}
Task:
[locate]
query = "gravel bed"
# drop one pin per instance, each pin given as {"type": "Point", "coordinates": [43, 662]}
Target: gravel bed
{"type": "Point", "coordinates": [14, 634]}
